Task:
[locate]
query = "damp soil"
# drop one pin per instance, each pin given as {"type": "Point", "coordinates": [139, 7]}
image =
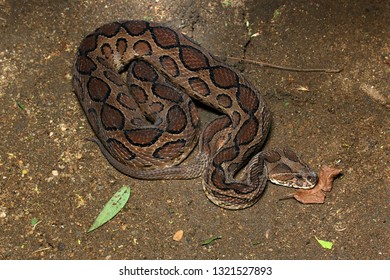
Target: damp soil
{"type": "Point", "coordinates": [53, 183]}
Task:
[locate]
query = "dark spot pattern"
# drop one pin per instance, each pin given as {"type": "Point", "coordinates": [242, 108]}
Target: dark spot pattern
{"type": "Point", "coordinates": [126, 101]}
{"type": "Point", "coordinates": [223, 77]}
{"type": "Point", "coordinates": [136, 27]}
{"type": "Point", "coordinates": [143, 137]}
{"type": "Point", "coordinates": [85, 65]}
{"type": "Point", "coordinates": [227, 154]}
{"type": "Point", "coordinates": [247, 99]}
{"type": "Point", "coordinates": [169, 150]}
{"type": "Point", "coordinates": [142, 48]}
{"type": "Point", "coordinates": [176, 119]}
{"type": "Point", "coordinates": [272, 156]}
{"type": "Point", "coordinates": [109, 30]}
{"type": "Point", "coordinates": [88, 44]}
{"type": "Point", "coordinates": [121, 46]}
{"type": "Point", "coordinates": [247, 132]}
{"type": "Point", "coordinates": [107, 51]}
{"type": "Point", "coordinates": [224, 100]}
{"type": "Point", "coordinates": [193, 114]}
{"type": "Point", "coordinates": [169, 65]}
{"type": "Point", "coordinates": [167, 93]}
{"type": "Point", "coordinates": [193, 59]}
{"type": "Point", "coordinates": [138, 93]}
{"type": "Point", "coordinates": [143, 71]}
{"type": "Point", "coordinates": [112, 118]}
{"type": "Point", "coordinates": [165, 37]}
{"type": "Point", "coordinates": [199, 86]}
{"type": "Point", "coordinates": [98, 90]}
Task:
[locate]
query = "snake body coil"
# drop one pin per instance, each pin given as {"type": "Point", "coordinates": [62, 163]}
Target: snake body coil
{"type": "Point", "coordinates": [149, 124]}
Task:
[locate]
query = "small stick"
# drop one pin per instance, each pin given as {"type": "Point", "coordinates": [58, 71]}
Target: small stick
{"type": "Point", "coordinates": [40, 250]}
{"type": "Point", "coordinates": [264, 64]}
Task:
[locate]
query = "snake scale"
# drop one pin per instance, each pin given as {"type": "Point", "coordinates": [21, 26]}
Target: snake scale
{"type": "Point", "coordinates": [136, 81]}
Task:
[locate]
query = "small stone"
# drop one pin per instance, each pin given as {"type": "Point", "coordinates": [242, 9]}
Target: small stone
{"type": "Point", "coordinates": [178, 235]}
{"type": "Point", "coordinates": [55, 172]}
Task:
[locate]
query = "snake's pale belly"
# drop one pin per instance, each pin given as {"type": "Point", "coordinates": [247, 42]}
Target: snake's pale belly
{"type": "Point", "coordinates": [146, 123]}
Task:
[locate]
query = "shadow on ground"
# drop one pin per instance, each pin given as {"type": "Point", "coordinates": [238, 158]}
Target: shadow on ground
{"type": "Point", "coordinates": [51, 174]}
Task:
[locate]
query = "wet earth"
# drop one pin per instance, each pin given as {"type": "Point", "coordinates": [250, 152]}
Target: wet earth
{"type": "Point", "coordinates": [54, 182]}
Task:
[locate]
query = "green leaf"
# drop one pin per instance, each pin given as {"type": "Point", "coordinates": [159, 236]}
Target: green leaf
{"type": "Point", "coordinates": [34, 221]}
{"type": "Point", "coordinates": [324, 244]}
{"type": "Point", "coordinates": [112, 207]}
{"type": "Point", "coordinates": [20, 105]}
{"type": "Point", "coordinates": [211, 240]}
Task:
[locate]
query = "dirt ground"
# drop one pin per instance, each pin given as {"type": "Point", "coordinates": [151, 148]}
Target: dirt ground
{"type": "Point", "coordinates": [51, 176]}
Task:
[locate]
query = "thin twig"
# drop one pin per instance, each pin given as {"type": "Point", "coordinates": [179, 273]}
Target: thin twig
{"type": "Point", "coordinates": [40, 250]}
{"type": "Point", "coordinates": [264, 64]}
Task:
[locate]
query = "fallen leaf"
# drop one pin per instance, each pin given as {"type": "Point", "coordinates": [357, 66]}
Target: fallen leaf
{"type": "Point", "coordinates": [112, 207]}
{"type": "Point", "coordinates": [303, 88]}
{"type": "Point", "coordinates": [178, 235]}
{"type": "Point", "coordinates": [324, 244]}
{"type": "Point", "coordinates": [324, 184]}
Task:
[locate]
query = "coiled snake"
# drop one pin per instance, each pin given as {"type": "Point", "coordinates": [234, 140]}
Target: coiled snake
{"type": "Point", "coordinates": [148, 125]}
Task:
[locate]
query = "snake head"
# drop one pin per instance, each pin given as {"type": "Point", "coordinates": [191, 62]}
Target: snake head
{"type": "Point", "coordinates": [286, 168]}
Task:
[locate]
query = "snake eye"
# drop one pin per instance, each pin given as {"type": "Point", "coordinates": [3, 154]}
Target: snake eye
{"type": "Point", "coordinates": [312, 178]}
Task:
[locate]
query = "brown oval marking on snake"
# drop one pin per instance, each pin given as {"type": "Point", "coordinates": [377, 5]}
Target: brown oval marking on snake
{"type": "Point", "coordinates": [170, 149]}
{"type": "Point", "coordinates": [143, 71]}
{"type": "Point", "coordinates": [166, 92]}
{"type": "Point", "coordinates": [224, 100]}
{"type": "Point", "coordinates": [176, 119]}
{"type": "Point", "coordinates": [225, 155]}
{"type": "Point", "coordinates": [98, 89]}
{"type": "Point", "coordinates": [247, 99]}
{"type": "Point", "coordinates": [143, 136]}
{"type": "Point", "coordinates": [199, 86]}
{"type": "Point", "coordinates": [142, 48]}
{"type": "Point", "coordinates": [138, 93]}
{"type": "Point", "coordinates": [193, 114]}
{"type": "Point", "coordinates": [247, 132]}
{"type": "Point", "coordinates": [126, 101]}
{"type": "Point", "coordinates": [121, 46]}
{"type": "Point", "coordinates": [107, 51]}
{"type": "Point", "coordinates": [112, 118]}
{"type": "Point", "coordinates": [165, 37]}
{"type": "Point", "coordinates": [193, 59]}
{"type": "Point", "coordinates": [169, 65]}
{"type": "Point", "coordinates": [136, 27]}
{"type": "Point", "coordinates": [88, 44]}
{"type": "Point", "coordinates": [85, 65]}
{"type": "Point", "coordinates": [236, 117]}
{"type": "Point", "coordinates": [109, 30]}
{"type": "Point", "coordinates": [223, 77]}
{"type": "Point", "coordinates": [273, 156]}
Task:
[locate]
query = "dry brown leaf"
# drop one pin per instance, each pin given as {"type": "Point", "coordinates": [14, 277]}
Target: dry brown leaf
{"type": "Point", "coordinates": [178, 235]}
{"type": "Point", "coordinates": [325, 184]}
